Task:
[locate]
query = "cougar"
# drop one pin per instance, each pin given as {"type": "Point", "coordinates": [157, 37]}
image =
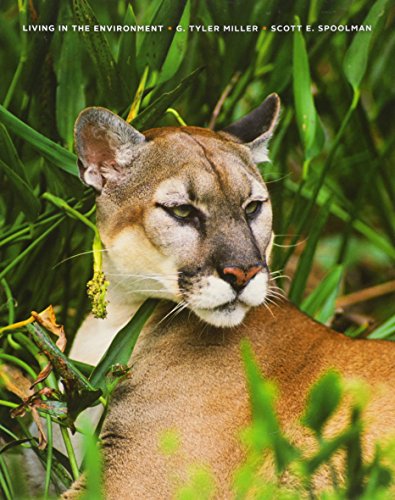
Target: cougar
{"type": "Point", "coordinates": [185, 216]}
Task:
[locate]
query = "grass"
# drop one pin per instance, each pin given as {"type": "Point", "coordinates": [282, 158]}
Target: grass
{"type": "Point", "coordinates": [330, 177]}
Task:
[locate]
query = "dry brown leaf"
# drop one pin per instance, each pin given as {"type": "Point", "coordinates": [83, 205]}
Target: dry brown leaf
{"type": "Point", "coordinates": [42, 438]}
{"type": "Point", "coordinates": [47, 319]}
{"type": "Point", "coordinates": [15, 381]}
{"type": "Point", "coordinates": [33, 402]}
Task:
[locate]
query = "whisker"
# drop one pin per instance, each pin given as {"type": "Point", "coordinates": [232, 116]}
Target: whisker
{"type": "Point", "coordinates": [276, 272]}
{"type": "Point", "coordinates": [268, 308]}
{"type": "Point", "coordinates": [273, 288]}
{"type": "Point", "coordinates": [179, 311]}
{"type": "Point", "coordinates": [274, 278]}
{"type": "Point", "coordinates": [78, 255]}
{"type": "Point", "coordinates": [205, 326]}
{"type": "Point", "coordinates": [276, 295]}
{"type": "Point", "coordinates": [290, 246]}
{"type": "Point", "coordinates": [276, 298]}
{"type": "Point", "coordinates": [181, 305]}
{"type": "Point", "coordinates": [146, 290]}
{"type": "Point", "coordinates": [139, 275]}
{"type": "Point", "coordinates": [270, 301]}
{"type": "Point", "coordinates": [285, 176]}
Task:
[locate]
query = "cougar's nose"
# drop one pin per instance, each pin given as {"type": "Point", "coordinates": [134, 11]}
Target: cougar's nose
{"type": "Point", "coordinates": [237, 277]}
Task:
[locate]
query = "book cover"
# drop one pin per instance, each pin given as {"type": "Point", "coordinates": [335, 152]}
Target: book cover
{"type": "Point", "coordinates": [173, 64]}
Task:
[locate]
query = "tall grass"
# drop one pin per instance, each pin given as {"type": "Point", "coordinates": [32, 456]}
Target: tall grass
{"type": "Point", "coordinates": [330, 178]}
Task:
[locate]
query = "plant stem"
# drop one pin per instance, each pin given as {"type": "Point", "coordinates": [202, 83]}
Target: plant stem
{"type": "Point", "coordinates": [22, 7]}
{"type": "Point", "coordinates": [177, 116]}
{"type": "Point", "coordinates": [134, 108]}
{"type": "Point", "coordinates": [8, 403]}
{"type": "Point", "coordinates": [10, 301]}
{"type": "Point", "coordinates": [20, 363]}
{"type": "Point", "coordinates": [328, 163]}
{"type": "Point", "coordinates": [70, 452]}
{"type": "Point", "coordinates": [14, 82]}
{"type": "Point", "coordinates": [5, 480]}
{"type": "Point", "coordinates": [75, 214]}
{"type": "Point", "coordinates": [48, 465]}
{"type": "Point", "coordinates": [28, 229]}
{"type": "Point", "coordinates": [31, 247]}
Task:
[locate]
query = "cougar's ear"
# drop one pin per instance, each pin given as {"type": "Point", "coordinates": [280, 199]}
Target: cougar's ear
{"type": "Point", "coordinates": [105, 146]}
{"type": "Point", "coordinates": [257, 127]}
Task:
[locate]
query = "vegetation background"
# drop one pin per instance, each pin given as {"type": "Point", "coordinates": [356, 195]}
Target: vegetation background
{"type": "Point", "coordinates": [331, 178]}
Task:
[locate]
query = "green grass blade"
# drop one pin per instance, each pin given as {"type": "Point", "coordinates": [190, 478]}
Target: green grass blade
{"type": "Point", "coordinates": [384, 331]}
{"type": "Point", "coordinates": [356, 58]}
{"type": "Point", "coordinates": [310, 128]}
{"type": "Point", "coordinates": [338, 211]}
{"type": "Point", "coordinates": [123, 344]}
{"type": "Point", "coordinates": [155, 46]}
{"type": "Point", "coordinates": [70, 95]}
{"type": "Point", "coordinates": [322, 401]}
{"type": "Point", "coordinates": [154, 111]}
{"type": "Point", "coordinates": [262, 397]}
{"type": "Point", "coordinates": [107, 74]}
{"type": "Point", "coordinates": [306, 260]}
{"type": "Point", "coordinates": [5, 482]}
{"type": "Point", "coordinates": [92, 464]}
{"type": "Point", "coordinates": [178, 48]}
{"type": "Point", "coordinates": [127, 53]}
{"type": "Point", "coordinates": [55, 153]}
{"type": "Point", "coordinates": [21, 256]}
{"type": "Point", "coordinates": [321, 302]}
{"type": "Point", "coordinates": [24, 194]}
{"type": "Point", "coordinates": [9, 154]}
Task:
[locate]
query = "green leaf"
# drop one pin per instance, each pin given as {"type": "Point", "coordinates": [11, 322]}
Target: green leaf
{"type": "Point", "coordinates": [38, 46]}
{"type": "Point", "coordinates": [70, 97]}
{"type": "Point", "coordinates": [24, 195]}
{"type": "Point", "coordinates": [9, 154]}
{"type": "Point", "coordinates": [154, 111]}
{"type": "Point", "coordinates": [13, 444]}
{"type": "Point", "coordinates": [323, 400]}
{"type": "Point", "coordinates": [107, 74]}
{"type": "Point", "coordinates": [14, 169]}
{"type": "Point", "coordinates": [306, 260]}
{"type": "Point", "coordinates": [155, 46]}
{"type": "Point", "coordinates": [56, 154]}
{"type": "Point", "coordinates": [377, 475]}
{"type": "Point", "coordinates": [127, 52]}
{"type": "Point", "coordinates": [309, 125]}
{"type": "Point", "coordinates": [354, 462]}
{"type": "Point", "coordinates": [123, 344]}
{"type": "Point", "coordinates": [178, 48]}
{"type": "Point", "coordinates": [338, 211]}
{"type": "Point", "coordinates": [356, 58]}
{"type": "Point", "coordinates": [328, 449]}
{"type": "Point", "coordinates": [93, 463]}
{"type": "Point", "coordinates": [265, 429]}
{"type": "Point", "coordinates": [384, 331]}
{"type": "Point", "coordinates": [321, 302]}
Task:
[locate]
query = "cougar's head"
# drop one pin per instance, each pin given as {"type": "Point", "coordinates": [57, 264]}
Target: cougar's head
{"type": "Point", "coordinates": [183, 212]}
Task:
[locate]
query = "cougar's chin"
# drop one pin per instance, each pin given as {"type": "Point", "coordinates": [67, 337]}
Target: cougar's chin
{"type": "Point", "coordinates": [218, 304]}
{"type": "Point", "coordinates": [225, 316]}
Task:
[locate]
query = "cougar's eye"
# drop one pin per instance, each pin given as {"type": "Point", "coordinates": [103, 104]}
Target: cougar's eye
{"type": "Point", "coordinates": [182, 211]}
{"type": "Point", "coordinates": [253, 208]}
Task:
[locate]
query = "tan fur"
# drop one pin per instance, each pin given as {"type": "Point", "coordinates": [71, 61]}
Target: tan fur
{"type": "Point", "coordinates": [187, 375]}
